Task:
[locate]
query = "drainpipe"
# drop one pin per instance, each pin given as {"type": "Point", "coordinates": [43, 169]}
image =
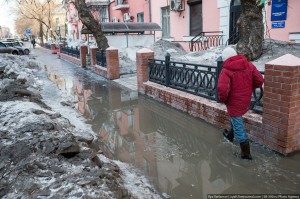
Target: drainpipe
{"type": "Point", "coordinates": [149, 10]}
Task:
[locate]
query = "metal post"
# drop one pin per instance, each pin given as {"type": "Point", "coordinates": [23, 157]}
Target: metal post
{"type": "Point", "coordinates": [218, 71]}
{"type": "Point", "coordinates": [59, 34]}
{"type": "Point", "coordinates": [167, 59]}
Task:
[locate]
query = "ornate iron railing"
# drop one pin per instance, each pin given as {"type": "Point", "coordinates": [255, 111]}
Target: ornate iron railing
{"type": "Point", "coordinates": [101, 58]}
{"type": "Point", "coordinates": [74, 52]}
{"type": "Point", "coordinates": [97, 3]}
{"type": "Point", "coordinates": [198, 79]}
{"type": "Point", "coordinates": [205, 40]}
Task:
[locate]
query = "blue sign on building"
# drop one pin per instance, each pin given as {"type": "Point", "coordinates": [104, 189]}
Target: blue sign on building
{"type": "Point", "coordinates": [28, 32]}
{"type": "Point", "coordinates": [279, 10]}
{"type": "Point", "coordinates": [278, 24]}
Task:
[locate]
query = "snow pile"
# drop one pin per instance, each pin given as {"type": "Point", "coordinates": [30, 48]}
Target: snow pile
{"type": "Point", "coordinates": [272, 49]}
{"type": "Point", "coordinates": [161, 47]}
{"type": "Point", "coordinates": [136, 183]}
{"type": "Point", "coordinates": [79, 42]}
{"type": "Point", "coordinates": [207, 57]}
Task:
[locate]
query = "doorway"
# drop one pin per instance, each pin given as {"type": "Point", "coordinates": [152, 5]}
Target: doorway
{"type": "Point", "coordinates": [235, 12]}
{"type": "Point", "coordinates": [196, 22]}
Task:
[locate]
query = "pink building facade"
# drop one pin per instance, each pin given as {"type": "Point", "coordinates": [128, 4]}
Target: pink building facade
{"type": "Point", "coordinates": [182, 20]}
{"type": "Point", "coordinates": [290, 23]}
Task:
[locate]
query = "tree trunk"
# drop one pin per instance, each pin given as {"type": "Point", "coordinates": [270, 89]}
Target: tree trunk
{"type": "Point", "coordinates": [41, 33]}
{"type": "Point", "coordinates": [91, 23]}
{"type": "Point", "coordinates": [251, 30]}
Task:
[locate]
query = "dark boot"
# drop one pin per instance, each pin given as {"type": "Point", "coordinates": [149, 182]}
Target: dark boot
{"type": "Point", "coordinates": [245, 150]}
{"type": "Point", "coordinates": [228, 134]}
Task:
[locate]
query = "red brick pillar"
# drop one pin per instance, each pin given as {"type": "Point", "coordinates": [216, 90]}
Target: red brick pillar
{"type": "Point", "coordinates": [281, 111]}
{"type": "Point", "coordinates": [61, 45]}
{"type": "Point", "coordinates": [93, 51]}
{"type": "Point", "coordinates": [83, 53]}
{"type": "Point", "coordinates": [53, 48]}
{"type": "Point", "coordinates": [142, 57]}
{"type": "Point", "coordinates": [112, 60]}
{"type": "Point", "coordinates": [59, 51]}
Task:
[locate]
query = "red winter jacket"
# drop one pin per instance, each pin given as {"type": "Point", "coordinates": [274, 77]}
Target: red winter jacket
{"type": "Point", "coordinates": [237, 80]}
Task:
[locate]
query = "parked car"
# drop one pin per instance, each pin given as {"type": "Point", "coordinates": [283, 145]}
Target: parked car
{"type": "Point", "coordinates": [24, 39]}
{"type": "Point", "coordinates": [19, 45]}
{"type": "Point", "coordinates": [8, 49]}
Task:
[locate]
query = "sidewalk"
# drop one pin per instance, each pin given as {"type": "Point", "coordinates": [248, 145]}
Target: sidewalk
{"type": "Point", "coordinates": [128, 81]}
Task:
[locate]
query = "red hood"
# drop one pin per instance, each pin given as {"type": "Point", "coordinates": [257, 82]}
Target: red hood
{"type": "Point", "coordinates": [236, 63]}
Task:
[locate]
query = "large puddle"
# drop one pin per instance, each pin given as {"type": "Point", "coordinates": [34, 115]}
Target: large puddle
{"type": "Point", "coordinates": [183, 156]}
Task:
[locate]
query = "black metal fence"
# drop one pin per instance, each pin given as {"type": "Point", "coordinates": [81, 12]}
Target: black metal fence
{"type": "Point", "coordinates": [101, 58]}
{"type": "Point", "coordinates": [205, 40]}
{"type": "Point", "coordinates": [201, 80]}
{"type": "Point", "coordinates": [74, 52]}
{"type": "Point", "coordinates": [48, 46]}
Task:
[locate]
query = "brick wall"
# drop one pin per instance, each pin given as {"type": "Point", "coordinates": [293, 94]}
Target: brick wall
{"type": "Point", "coordinates": [53, 49]}
{"type": "Point", "coordinates": [83, 53]}
{"type": "Point", "coordinates": [278, 127]}
{"type": "Point", "coordinates": [113, 66]}
{"type": "Point", "coordinates": [281, 117]}
{"type": "Point", "coordinates": [142, 57]}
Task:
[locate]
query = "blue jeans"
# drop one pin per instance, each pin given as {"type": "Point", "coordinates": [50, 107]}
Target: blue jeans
{"type": "Point", "coordinates": [237, 124]}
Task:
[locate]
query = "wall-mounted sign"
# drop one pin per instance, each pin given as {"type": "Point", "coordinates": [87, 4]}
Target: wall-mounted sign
{"type": "Point", "coordinates": [279, 10]}
{"type": "Point", "coordinates": [28, 32]}
{"type": "Point", "coordinates": [278, 24]}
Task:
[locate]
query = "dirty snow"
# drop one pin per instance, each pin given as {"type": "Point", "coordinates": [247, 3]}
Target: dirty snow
{"type": "Point", "coordinates": [272, 49]}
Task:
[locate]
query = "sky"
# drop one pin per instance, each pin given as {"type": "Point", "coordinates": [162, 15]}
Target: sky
{"type": "Point", "coordinates": [6, 17]}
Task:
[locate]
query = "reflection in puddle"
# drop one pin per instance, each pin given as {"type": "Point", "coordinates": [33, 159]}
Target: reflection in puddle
{"type": "Point", "coordinates": [183, 156]}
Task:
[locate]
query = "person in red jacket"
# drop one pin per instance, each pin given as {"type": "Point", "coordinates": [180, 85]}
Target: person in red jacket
{"type": "Point", "coordinates": [236, 82]}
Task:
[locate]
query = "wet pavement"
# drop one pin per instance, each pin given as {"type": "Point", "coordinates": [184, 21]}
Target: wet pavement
{"type": "Point", "coordinates": [184, 157]}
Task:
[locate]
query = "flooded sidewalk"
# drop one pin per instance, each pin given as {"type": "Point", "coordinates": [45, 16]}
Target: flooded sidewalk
{"type": "Point", "coordinates": [184, 157]}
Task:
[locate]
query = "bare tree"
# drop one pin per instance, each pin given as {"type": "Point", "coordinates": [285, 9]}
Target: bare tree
{"type": "Point", "coordinates": [39, 11]}
{"type": "Point", "coordinates": [91, 23]}
{"type": "Point", "coordinates": [21, 24]}
{"type": "Point", "coordinates": [251, 29]}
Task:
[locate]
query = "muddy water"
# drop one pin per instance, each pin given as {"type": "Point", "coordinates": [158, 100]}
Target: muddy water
{"type": "Point", "coordinates": [184, 157]}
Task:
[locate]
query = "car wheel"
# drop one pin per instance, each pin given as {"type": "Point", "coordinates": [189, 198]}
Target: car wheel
{"type": "Point", "coordinates": [21, 53]}
{"type": "Point", "coordinates": [15, 53]}
{"type": "Point", "coordinates": [26, 52]}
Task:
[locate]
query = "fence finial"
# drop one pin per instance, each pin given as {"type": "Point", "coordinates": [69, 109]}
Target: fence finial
{"type": "Point", "coordinates": [167, 54]}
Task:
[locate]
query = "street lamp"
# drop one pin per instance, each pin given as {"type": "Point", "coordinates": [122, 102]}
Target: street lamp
{"type": "Point", "coordinates": [58, 32]}
{"type": "Point", "coordinates": [51, 34]}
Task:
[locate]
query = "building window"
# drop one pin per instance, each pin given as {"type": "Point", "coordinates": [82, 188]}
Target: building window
{"type": "Point", "coordinates": [165, 22]}
{"type": "Point", "coordinates": [103, 14]}
{"type": "Point", "coordinates": [196, 22]}
{"type": "Point", "coordinates": [140, 17]}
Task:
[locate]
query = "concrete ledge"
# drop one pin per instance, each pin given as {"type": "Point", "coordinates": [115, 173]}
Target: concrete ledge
{"type": "Point", "coordinates": [102, 71]}
{"type": "Point", "coordinates": [70, 58]}
{"type": "Point", "coordinates": [54, 51]}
